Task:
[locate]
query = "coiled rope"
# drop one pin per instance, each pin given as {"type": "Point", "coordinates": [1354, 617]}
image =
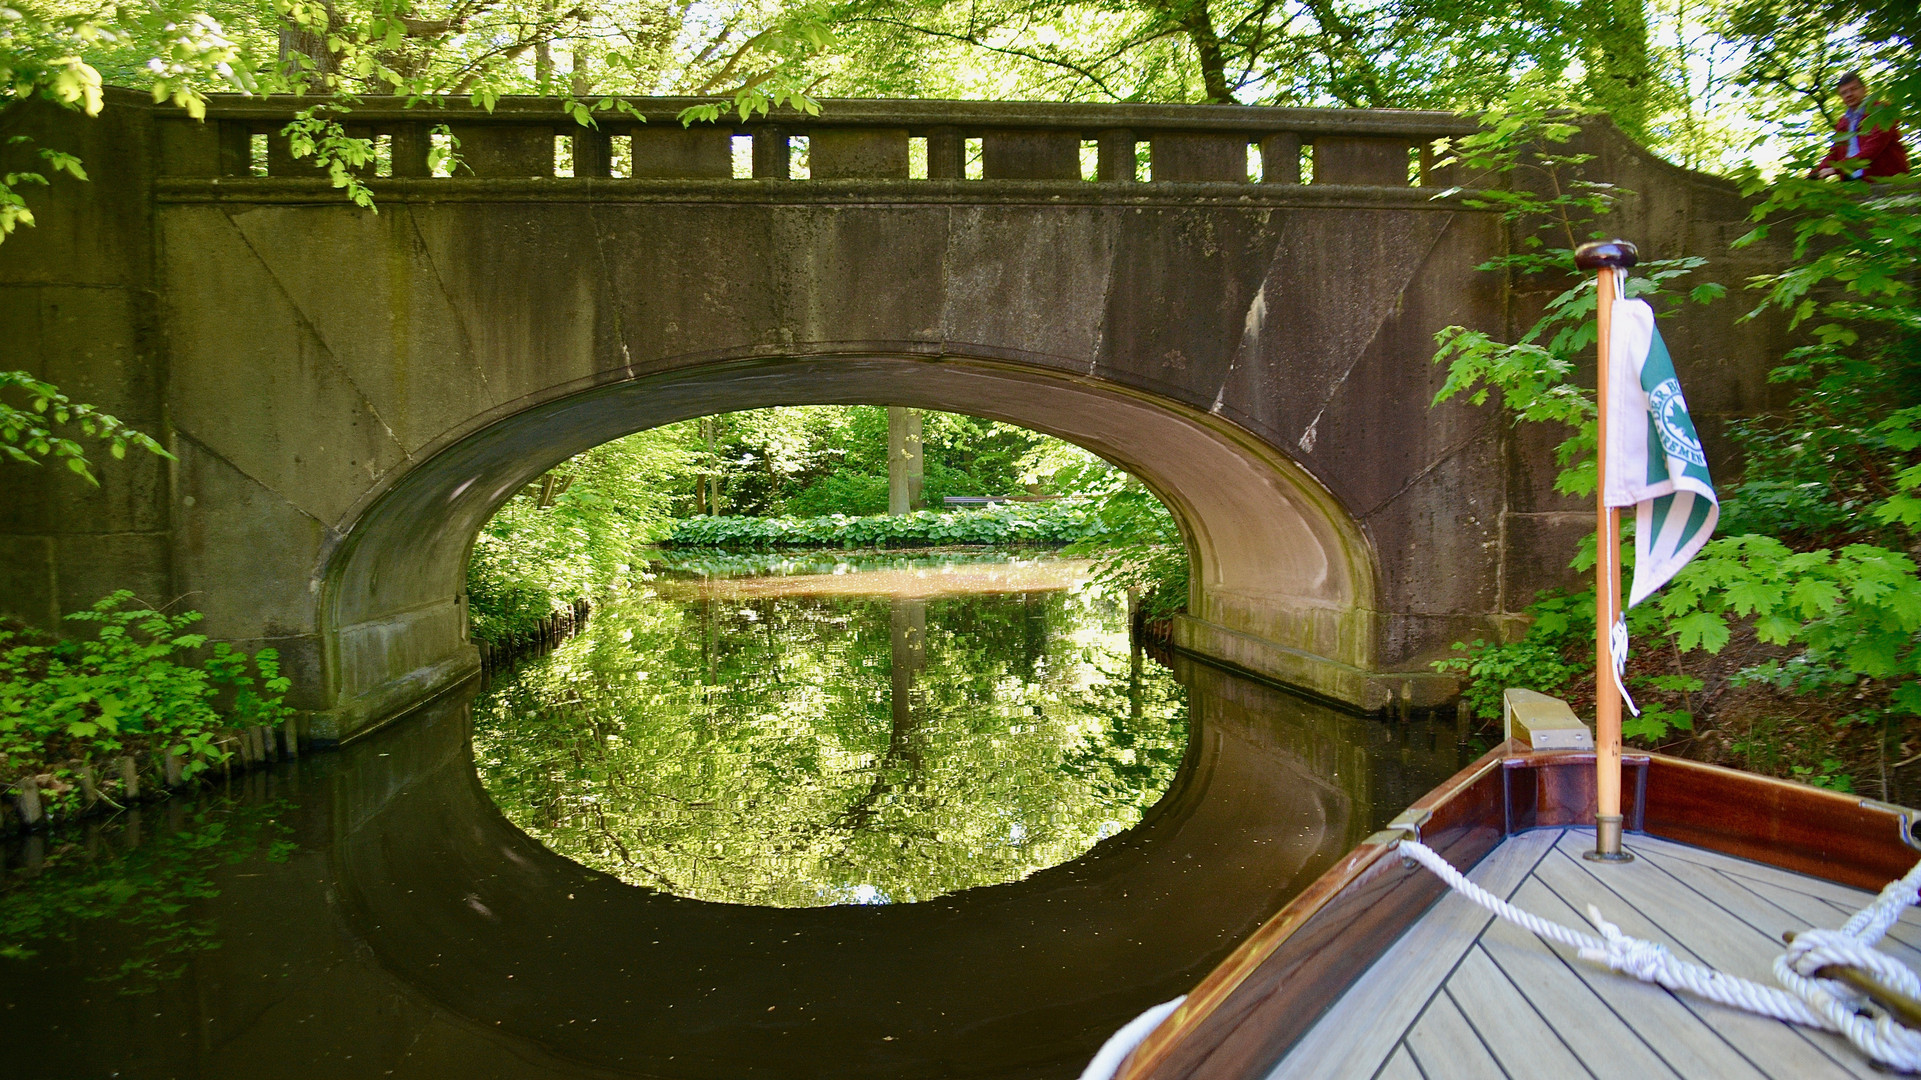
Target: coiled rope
{"type": "Point", "coordinates": [1807, 1000]}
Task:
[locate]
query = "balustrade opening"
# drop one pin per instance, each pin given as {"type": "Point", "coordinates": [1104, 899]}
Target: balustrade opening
{"type": "Point", "coordinates": [908, 141]}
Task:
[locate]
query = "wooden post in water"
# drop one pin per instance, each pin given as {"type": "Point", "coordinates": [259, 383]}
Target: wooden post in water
{"type": "Point", "coordinates": [32, 814]}
{"type": "Point", "coordinates": [89, 788]}
{"type": "Point", "coordinates": [1605, 257]}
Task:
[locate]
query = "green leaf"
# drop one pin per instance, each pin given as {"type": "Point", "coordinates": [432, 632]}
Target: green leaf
{"type": "Point", "coordinates": [1700, 630]}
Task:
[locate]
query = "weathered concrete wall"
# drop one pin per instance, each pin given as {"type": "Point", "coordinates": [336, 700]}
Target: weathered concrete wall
{"type": "Point", "coordinates": [351, 395]}
{"type": "Point", "coordinates": [78, 308]}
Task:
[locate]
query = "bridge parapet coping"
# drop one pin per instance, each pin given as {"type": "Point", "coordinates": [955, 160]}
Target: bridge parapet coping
{"type": "Point", "coordinates": [850, 140]}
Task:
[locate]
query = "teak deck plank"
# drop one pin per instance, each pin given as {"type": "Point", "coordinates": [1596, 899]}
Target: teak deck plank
{"type": "Point", "coordinates": [1681, 1039]}
{"type": "Point", "coordinates": [1462, 996]}
{"type": "Point", "coordinates": [1767, 918]}
{"type": "Point", "coordinates": [1400, 1067]}
{"type": "Point", "coordinates": [1697, 930]}
{"type": "Point", "coordinates": [1668, 849]}
{"type": "Point", "coordinates": [1809, 911]}
{"type": "Point", "coordinates": [1507, 1021]}
{"type": "Point", "coordinates": [1358, 1033]}
{"type": "Point", "coordinates": [1747, 870]}
{"type": "Point", "coordinates": [1595, 1029]}
{"type": "Point", "coordinates": [1444, 1044]}
{"type": "Point", "coordinates": [1773, 883]}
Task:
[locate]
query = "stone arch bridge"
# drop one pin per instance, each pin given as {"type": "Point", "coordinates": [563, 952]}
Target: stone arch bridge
{"type": "Point", "coordinates": [350, 395]}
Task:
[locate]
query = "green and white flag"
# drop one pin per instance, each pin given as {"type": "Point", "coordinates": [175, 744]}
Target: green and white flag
{"type": "Point", "coordinates": [1654, 460]}
{"type": "Point", "coordinates": [1655, 463]}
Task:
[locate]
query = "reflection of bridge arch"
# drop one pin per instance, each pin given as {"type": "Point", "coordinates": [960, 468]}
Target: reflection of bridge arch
{"type": "Point", "coordinates": [1268, 542]}
{"type": "Point", "coordinates": [1024, 979]}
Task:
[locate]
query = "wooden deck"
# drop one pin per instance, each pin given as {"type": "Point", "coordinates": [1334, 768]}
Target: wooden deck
{"type": "Point", "coordinates": [1465, 995]}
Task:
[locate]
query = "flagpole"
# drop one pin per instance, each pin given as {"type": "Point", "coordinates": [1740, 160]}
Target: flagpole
{"type": "Point", "coordinates": [1604, 257]}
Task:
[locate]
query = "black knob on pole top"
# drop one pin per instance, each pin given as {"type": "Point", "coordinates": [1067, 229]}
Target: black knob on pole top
{"type": "Point", "coordinates": [1596, 254]}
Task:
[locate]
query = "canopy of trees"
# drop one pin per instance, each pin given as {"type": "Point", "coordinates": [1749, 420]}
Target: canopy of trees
{"type": "Point", "coordinates": [1702, 81]}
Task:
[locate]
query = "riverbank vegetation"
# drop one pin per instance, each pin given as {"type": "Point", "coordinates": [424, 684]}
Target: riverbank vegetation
{"type": "Point", "coordinates": [1002, 525]}
{"type": "Point", "coordinates": [1789, 645]}
{"type": "Point", "coordinates": [129, 699]}
{"type": "Point", "coordinates": [138, 702]}
{"type": "Point", "coordinates": [807, 477]}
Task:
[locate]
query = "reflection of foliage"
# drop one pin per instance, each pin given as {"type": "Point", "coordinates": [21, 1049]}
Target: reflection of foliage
{"type": "Point", "coordinates": [1123, 760]}
{"type": "Point", "coordinates": [146, 891]}
{"type": "Point", "coordinates": [799, 751]}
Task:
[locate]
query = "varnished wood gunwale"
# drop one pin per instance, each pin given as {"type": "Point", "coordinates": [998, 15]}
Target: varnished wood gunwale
{"type": "Point", "coordinates": [1832, 835]}
{"type": "Point", "coordinates": [1251, 1009]}
{"type": "Point", "coordinates": [1344, 920]}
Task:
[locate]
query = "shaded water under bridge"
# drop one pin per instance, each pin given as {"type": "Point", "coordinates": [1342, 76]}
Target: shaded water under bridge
{"type": "Point", "coordinates": [351, 395]}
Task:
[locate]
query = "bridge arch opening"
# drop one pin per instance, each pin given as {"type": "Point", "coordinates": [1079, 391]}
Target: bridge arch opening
{"type": "Point", "coordinates": [1283, 579]}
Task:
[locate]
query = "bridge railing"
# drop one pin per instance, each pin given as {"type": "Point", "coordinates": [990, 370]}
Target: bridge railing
{"type": "Point", "coordinates": [850, 140]}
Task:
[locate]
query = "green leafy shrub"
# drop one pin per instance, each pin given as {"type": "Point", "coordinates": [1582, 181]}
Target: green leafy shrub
{"type": "Point", "coordinates": [1545, 659]}
{"type": "Point", "coordinates": [1814, 571]}
{"type": "Point", "coordinates": [141, 683]}
{"type": "Point", "coordinates": [573, 538]}
{"type": "Point", "coordinates": [859, 494]}
{"type": "Point", "coordinates": [1050, 524]}
{"type": "Point", "coordinates": [1139, 548]}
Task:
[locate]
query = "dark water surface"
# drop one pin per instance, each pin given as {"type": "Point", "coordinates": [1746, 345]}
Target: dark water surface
{"type": "Point", "coordinates": [921, 819]}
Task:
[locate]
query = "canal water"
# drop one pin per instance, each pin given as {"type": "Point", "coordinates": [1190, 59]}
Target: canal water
{"type": "Point", "coordinates": [901, 818]}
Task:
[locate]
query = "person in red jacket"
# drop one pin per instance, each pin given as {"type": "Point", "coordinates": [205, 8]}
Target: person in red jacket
{"type": "Point", "coordinates": [1860, 154]}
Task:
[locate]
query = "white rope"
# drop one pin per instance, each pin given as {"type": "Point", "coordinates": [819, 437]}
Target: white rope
{"type": "Point", "coordinates": [1820, 1003]}
{"type": "Point", "coordinates": [1122, 1043]}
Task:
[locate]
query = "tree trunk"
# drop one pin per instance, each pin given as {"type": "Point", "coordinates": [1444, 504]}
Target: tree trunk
{"type": "Point", "coordinates": [1198, 23]}
{"type": "Point", "coordinates": [1619, 78]}
{"type": "Point", "coordinates": [308, 42]}
{"type": "Point", "coordinates": [707, 430]}
{"type": "Point", "coordinates": [544, 49]}
{"type": "Point", "coordinates": [582, 77]}
{"type": "Point", "coordinates": [904, 465]}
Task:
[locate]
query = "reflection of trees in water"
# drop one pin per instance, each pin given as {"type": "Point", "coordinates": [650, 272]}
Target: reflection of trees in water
{"type": "Point", "coordinates": [800, 751]}
{"type": "Point", "coordinates": [133, 903]}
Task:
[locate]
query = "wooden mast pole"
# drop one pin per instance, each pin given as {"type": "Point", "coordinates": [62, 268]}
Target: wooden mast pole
{"type": "Point", "coordinates": [1604, 257]}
